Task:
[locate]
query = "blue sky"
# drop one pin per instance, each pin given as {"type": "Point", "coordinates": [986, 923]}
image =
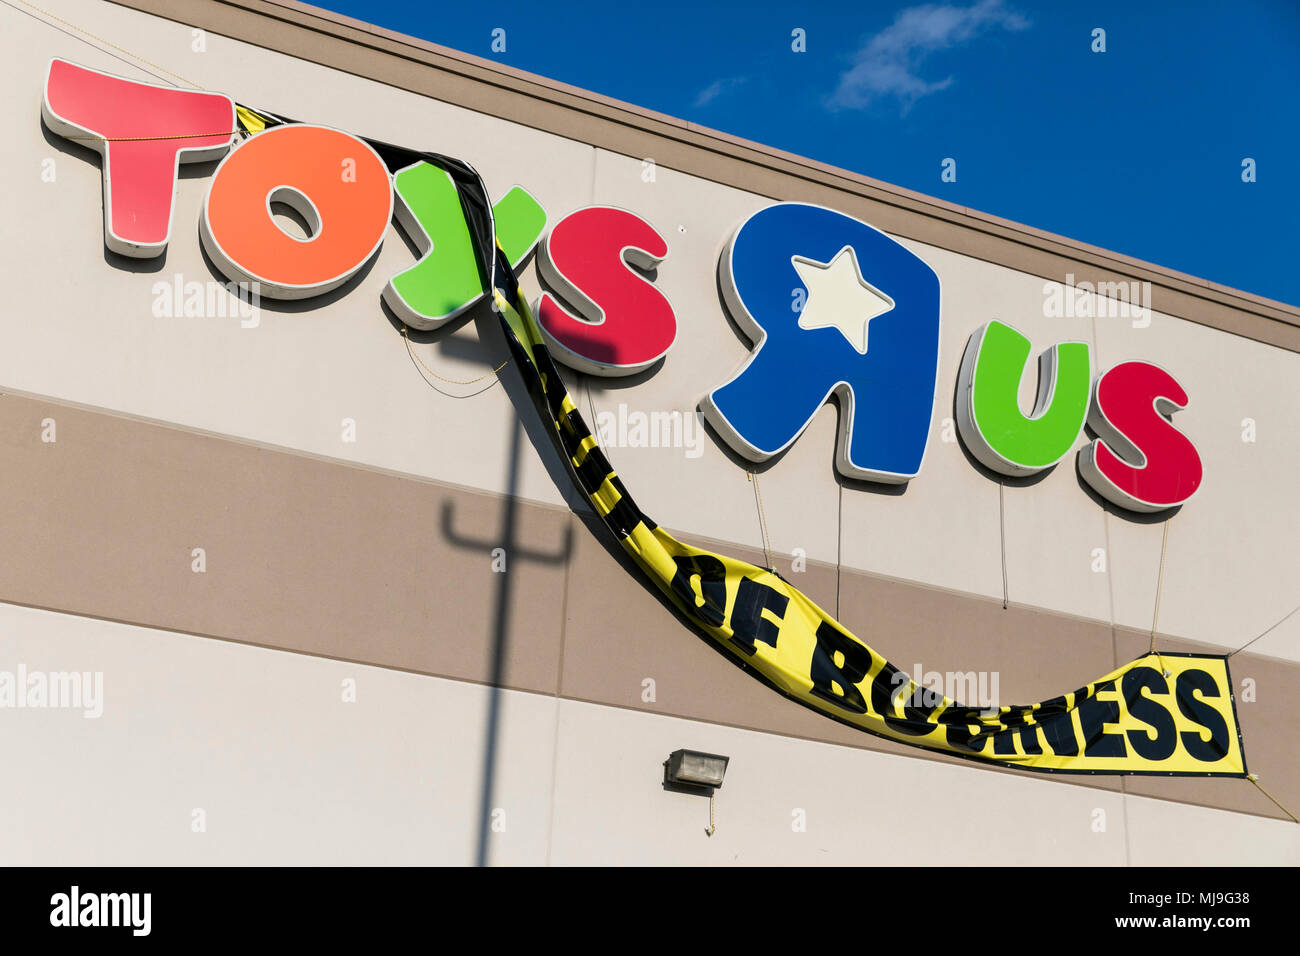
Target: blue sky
{"type": "Point", "coordinates": [1138, 149]}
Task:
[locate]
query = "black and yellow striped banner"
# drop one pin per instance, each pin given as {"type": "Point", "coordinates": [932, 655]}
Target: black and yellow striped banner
{"type": "Point", "coordinates": [1159, 714]}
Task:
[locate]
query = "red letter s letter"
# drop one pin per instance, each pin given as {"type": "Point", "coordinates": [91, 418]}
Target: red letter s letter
{"type": "Point", "coordinates": [1139, 461]}
{"type": "Point", "coordinates": [625, 323]}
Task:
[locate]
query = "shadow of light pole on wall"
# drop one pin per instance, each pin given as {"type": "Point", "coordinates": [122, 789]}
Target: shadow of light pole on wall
{"type": "Point", "coordinates": [513, 553]}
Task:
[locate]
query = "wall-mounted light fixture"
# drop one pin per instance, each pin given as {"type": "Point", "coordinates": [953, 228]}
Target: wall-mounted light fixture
{"type": "Point", "coordinates": [691, 768]}
{"type": "Point", "coordinates": [691, 771]}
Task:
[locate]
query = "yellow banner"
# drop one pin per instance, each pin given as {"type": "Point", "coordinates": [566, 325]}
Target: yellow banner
{"type": "Point", "coordinates": [1160, 714]}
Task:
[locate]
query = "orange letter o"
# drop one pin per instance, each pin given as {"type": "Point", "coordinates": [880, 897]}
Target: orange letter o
{"type": "Point", "coordinates": [334, 181]}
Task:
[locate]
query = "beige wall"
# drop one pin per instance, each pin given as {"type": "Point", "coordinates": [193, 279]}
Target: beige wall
{"type": "Point", "coordinates": [340, 550]}
{"type": "Point", "coordinates": [284, 771]}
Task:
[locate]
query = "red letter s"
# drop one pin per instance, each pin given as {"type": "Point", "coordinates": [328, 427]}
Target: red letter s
{"type": "Point", "coordinates": [624, 324]}
{"type": "Point", "coordinates": [1139, 461]}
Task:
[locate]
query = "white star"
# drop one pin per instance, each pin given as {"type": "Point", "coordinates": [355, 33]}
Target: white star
{"type": "Point", "coordinates": [839, 298]}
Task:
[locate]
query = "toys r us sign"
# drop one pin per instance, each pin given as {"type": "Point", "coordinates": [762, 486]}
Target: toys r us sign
{"type": "Point", "coordinates": [865, 326]}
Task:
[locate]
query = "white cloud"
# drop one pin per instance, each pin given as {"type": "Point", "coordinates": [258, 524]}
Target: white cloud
{"type": "Point", "coordinates": [888, 64]}
{"type": "Point", "coordinates": [716, 89]}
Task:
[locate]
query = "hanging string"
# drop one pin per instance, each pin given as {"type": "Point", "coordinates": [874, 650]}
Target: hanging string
{"type": "Point", "coordinates": [762, 521]}
{"type": "Point", "coordinates": [140, 139]}
{"type": "Point", "coordinates": [1266, 631]}
{"type": "Point", "coordinates": [1160, 585]}
{"type": "Point", "coordinates": [839, 547]}
{"type": "Point", "coordinates": [99, 39]}
{"type": "Point", "coordinates": [1002, 532]}
{"type": "Point", "coordinates": [452, 381]}
{"type": "Point", "coordinates": [1254, 778]}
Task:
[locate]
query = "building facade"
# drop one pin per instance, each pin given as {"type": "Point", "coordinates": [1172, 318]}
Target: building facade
{"type": "Point", "coordinates": [346, 607]}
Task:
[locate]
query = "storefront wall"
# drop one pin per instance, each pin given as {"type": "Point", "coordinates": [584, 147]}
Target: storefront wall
{"type": "Point", "coordinates": [370, 560]}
